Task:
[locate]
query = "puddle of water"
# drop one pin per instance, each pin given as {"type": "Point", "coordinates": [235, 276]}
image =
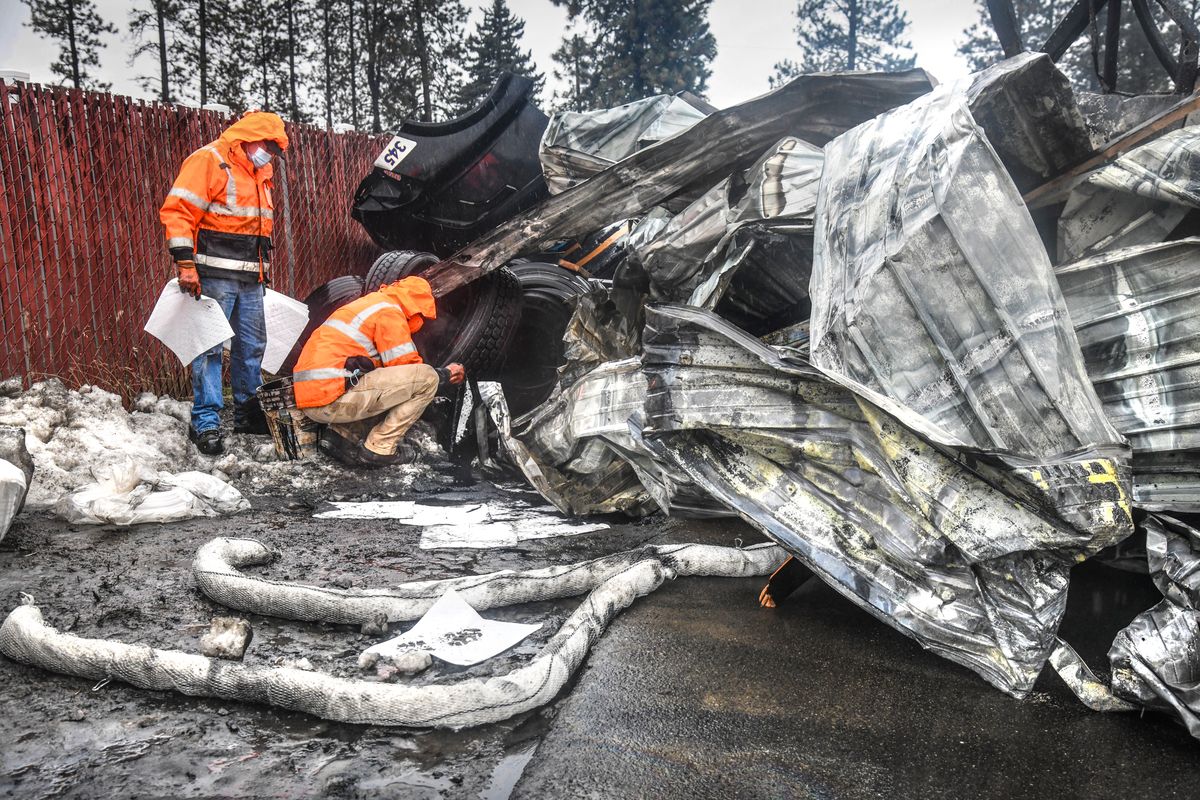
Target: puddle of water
{"type": "Point", "coordinates": [508, 772]}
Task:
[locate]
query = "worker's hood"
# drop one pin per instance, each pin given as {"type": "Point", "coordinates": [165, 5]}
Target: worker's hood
{"type": "Point", "coordinates": [416, 298]}
{"type": "Point", "coordinates": [256, 126]}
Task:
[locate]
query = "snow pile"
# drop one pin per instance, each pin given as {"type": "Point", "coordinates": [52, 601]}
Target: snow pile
{"type": "Point", "coordinates": [76, 435]}
{"type": "Point", "coordinates": [130, 494]}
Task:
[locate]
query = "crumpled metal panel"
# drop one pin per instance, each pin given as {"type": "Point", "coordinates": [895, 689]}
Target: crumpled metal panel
{"type": "Point", "coordinates": [815, 108]}
{"type": "Point", "coordinates": [1029, 111]}
{"type": "Point", "coordinates": [577, 145]}
{"type": "Point", "coordinates": [952, 318]}
{"type": "Point", "coordinates": [1134, 312]}
{"type": "Point", "coordinates": [1156, 659]}
{"type": "Point", "coordinates": [745, 246]}
{"type": "Point", "coordinates": [610, 484]}
{"type": "Point", "coordinates": [1108, 116]}
{"type": "Point", "coordinates": [905, 531]}
{"type": "Point", "coordinates": [1138, 199]}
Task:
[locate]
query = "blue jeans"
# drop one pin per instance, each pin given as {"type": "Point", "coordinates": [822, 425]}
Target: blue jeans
{"type": "Point", "coordinates": [242, 303]}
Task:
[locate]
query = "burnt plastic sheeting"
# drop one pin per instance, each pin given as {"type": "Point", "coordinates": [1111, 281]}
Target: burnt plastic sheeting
{"type": "Point", "coordinates": [1134, 312]}
{"type": "Point", "coordinates": [910, 534]}
{"type": "Point", "coordinates": [1138, 199]}
{"type": "Point", "coordinates": [577, 145]}
{"type": "Point", "coordinates": [461, 178]}
{"type": "Point", "coordinates": [815, 108]}
{"type": "Point", "coordinates": [933, 295]}
{"type": "Point", "coordinates": [1156, 659]}
{"type": "Point", "coordinates": [745, 247]}
{"type": "Point", "coordinates": [1026, 106]}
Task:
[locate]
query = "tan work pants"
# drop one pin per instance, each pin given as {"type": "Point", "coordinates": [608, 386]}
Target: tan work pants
{"type": "Point", "coordinates": [398, 394]}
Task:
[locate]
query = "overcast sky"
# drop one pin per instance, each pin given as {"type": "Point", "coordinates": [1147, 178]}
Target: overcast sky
{"type": "Point", "coordinates": [752, 35]}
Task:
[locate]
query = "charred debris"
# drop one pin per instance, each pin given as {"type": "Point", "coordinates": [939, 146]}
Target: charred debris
{"type": "Point", "coordinates": [937, 341]}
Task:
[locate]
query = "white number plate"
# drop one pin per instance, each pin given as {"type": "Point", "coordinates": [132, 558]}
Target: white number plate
{"type": "Point", "coordinates": [396, 151]}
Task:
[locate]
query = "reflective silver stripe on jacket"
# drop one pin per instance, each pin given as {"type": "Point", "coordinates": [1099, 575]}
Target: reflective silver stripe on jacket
{"type": "Point", "coordinates": [180, 241]}
{"type": "Point", "coordinates": [323, 374]}
{"type": "Point", "coordinates": [228, 263]}
{"type": "Point", "coordinates": [230, 184]}
{"type": "Point", "coordinates": [193, 198]}
{"type": "Point", "coordinates": [354, 333]}
{"type": "Point", "coordinates": [397, 351]}
{"type": "Point", "coordinates": [240, 211]}
{"type": "Point", "coordinates": [369, 312]}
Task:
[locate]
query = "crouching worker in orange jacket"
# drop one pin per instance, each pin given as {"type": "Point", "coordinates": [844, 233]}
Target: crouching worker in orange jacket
{"type": "Point", "coordinates": [362, 364]}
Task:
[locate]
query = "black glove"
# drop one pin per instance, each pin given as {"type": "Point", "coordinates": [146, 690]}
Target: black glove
{"type": "Point", "coordinates": [450, 374]}
{"type": "Point", "coordinates": [359, 365]}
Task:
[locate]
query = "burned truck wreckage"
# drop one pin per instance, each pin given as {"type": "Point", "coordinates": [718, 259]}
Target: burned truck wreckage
{"type": "Point", "coordinates": [837, 312]}
{"type": "Point", "coordinates": [857, 337]}
{"type": "Point", "coordinates": [831, 312]}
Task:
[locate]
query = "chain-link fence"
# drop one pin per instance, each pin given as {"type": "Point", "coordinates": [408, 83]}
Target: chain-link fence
{"type": "Point", "coordinates": [82, 253]}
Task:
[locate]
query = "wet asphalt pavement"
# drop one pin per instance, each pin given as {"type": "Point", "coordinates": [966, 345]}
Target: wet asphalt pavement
{"type": "Point", "coordinates": [695, 691]}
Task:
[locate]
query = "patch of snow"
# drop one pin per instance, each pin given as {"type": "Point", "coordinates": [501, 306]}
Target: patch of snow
{"type": "Point", "coordinates": [74, 436]}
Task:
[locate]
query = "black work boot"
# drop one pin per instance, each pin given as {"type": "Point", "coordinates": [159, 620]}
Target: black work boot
{"type": "Point", "coordinates": [338, 447]}
{"type": "Point", "coordinates": [249, 418]}
{"type": "Point", "coordinates": [208, 442]}
{"type": "Point", "coordinates": [405, 454]}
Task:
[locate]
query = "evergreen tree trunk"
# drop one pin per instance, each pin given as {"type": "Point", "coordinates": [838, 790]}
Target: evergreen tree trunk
{"type": "Point", "coordinates": [853, 18]}
{"type": "Point", "coordinates": [578, 85]}
{"type": "Point", "coordinates": [203, 54]}
{"type": "Point", "coordinates": [160, 13]}
{"type": "Point", "coordinates": [328, 80]}
{"type": "Point", "coordinates": [262, 63]}
{"type": "Point", "coordinates": [294, 110]}
{"type": "Point", "coordinates": [372, 25]}
{"type": "Point", "coordinates": [73, 44]}
{"type": "Point", "coordinates": [353, 69]}
{"type": "Point", "coordinates": [423, 57]}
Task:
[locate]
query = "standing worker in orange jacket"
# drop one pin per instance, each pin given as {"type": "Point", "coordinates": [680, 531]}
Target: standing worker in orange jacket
{"type": "Point", "coordinates": [218, 219]}
{"type": "Point", "coordinates": [362, 364]}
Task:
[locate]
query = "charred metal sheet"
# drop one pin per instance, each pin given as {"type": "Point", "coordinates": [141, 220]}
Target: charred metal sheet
{"type": "Point", "coordinates": [1135, 315]}
{"type": "Point", "coordinates": [904, 530]}
{"type": "Point", "coordinates": [610, 485]}
{"type": "Point", "coordinates": [577, 145]}
{"type": "Point", "coordinates": [1134, 312]}
{"type": "Point", "coordinates": [599, 332]}
{"type": "Point", "coordinates": [815, 108]}
{"type": "Point", "coordinates": [1138, 199]}
{"type": "Point", "coordinates": [745, 246]}
{"type": "Point", "coordinates": [1156, 659]}
{"type": "Point", "coordinates": [952, 317]}
{"type": "Point", "coordinates": [1109, 116]}
{"type": "Point", "coordinates": [1028, 110]}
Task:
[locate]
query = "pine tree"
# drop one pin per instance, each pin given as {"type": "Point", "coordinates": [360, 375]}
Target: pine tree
{"type": "Point", "coordinates": [76, 27]}
{"type": "Point", "coordinates": [436, 49]}
{"type": "Point", "coordinates": [643, 47]}
{"type": "Point", "coordinates": [156, 30]}
{"type": "Point", "coordinates": [330, 57]}
{"type": "Point", "coordinates": [576, 60]}
{"type": "Point", "coordinates": [494, 48]}
{"type": "Point", "coordinates": [1137, 68]}
{"type": "Point", "coordinates": [840, 35]}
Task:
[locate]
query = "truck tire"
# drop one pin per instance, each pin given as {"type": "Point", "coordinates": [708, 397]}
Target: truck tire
{"type": "Point", "coordinates": [475, 324]}
{"type": "Point", "coordinates": [536, 353]}
{"type": "Point", "coordinates": [321, 302]}
{"type": "Point", "coordinates": [396, 264]}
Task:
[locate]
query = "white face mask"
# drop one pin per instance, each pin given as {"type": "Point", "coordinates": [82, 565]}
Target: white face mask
{"type": "Point", "coordinates": [260, 157]}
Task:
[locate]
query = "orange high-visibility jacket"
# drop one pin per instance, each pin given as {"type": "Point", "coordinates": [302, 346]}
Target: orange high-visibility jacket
{"type": "Point", "coordinates": [219, 210]}
{"type": "Point", "coordinates": [379, 325]}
